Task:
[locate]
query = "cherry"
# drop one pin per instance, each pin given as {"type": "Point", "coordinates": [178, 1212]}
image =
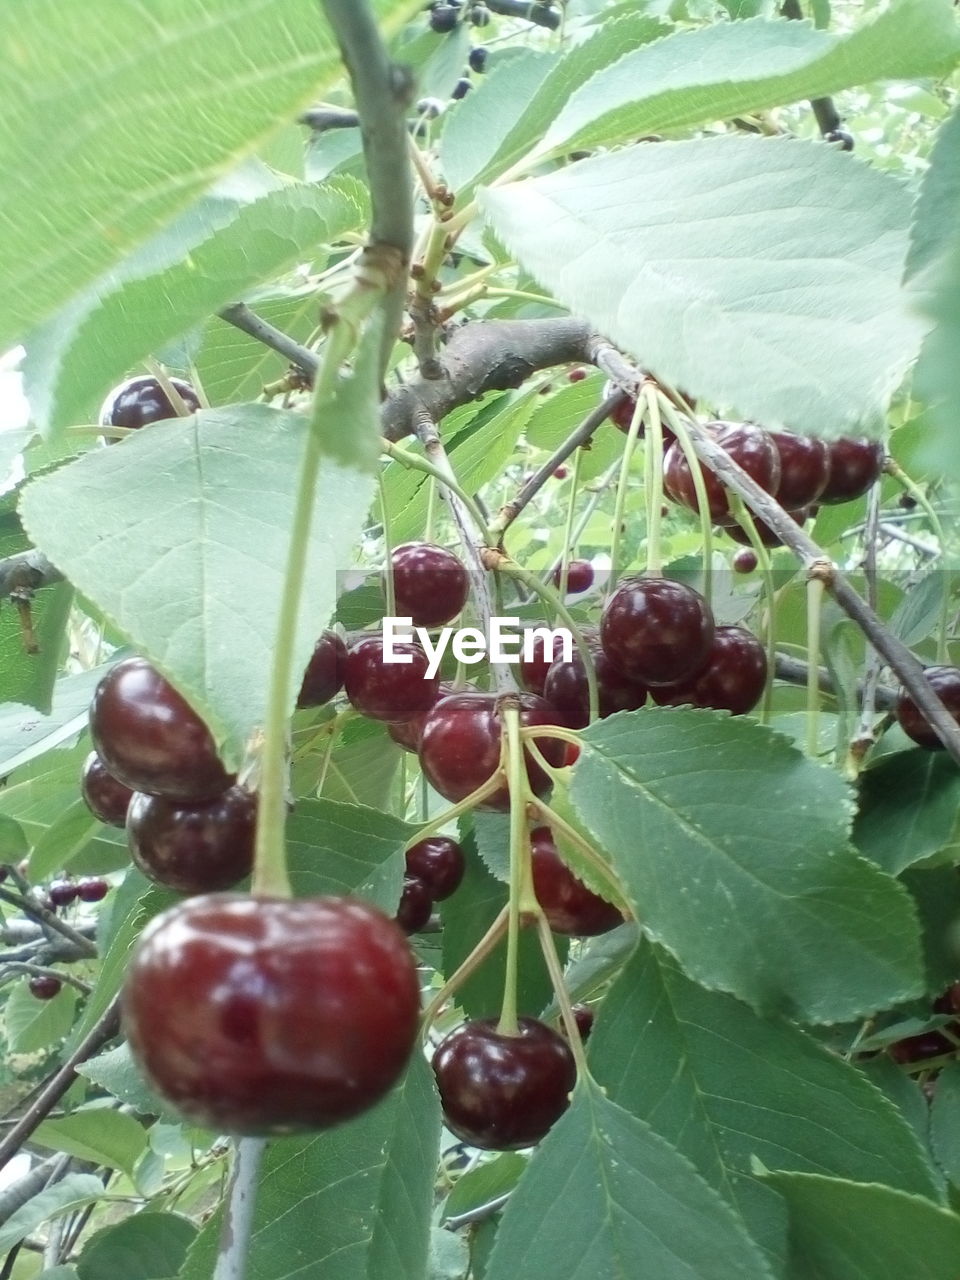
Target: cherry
{"type": "Point", "coordinates": [804, 469]}
{"type": "Point", "coordinates": [766, 534]}
{"type": "Point", "coordinates": [584, 1016]}
{"type": "Point", "coordinates": [44, 986]}
{"type": "Point", "coordinates": [655, 630]}
{"type": "Point", "coordinates": [92, 889]}
{"type": "Point", "coordinates": [854, 466]}
{"type": "Point", "coordinates": [576, 375]}
{"type": "Point", "coordinates": [945, 683]}
{"type": "Point", "coordinates": [566, 688]}
{"type": "Point", "coordinates": [141, 401]}
{"type": "Point", "coordinates": [747, 444]}
{"type": "Point", "coordinates": [439, 863]}
{"type": "Point", "coordinates": [477, 59]}
{"type": "Point", "coordinates": [63, 892]}
{"type": "Point", "coordinates": [560, 473]}
{"type": "Point", "coordinates": [732, 679]}
{"type": "Point", "coordinates": [264, 1015]}
{"type": "Point", "coordinates": [745, 561]}
{"type": "Point", "coordinates": [579, 576]}
{"type": "Point", "coordinates": [479, 17]}
{"type": "Point", "coordinates": [430, 584]}
{"type": "Point", "coordinates": [415, 906]}
{"type": "Point", "coordinates": [622, 415]}
{"type": "Point", "coordinates": [461, 89]}
{"type": "Point", "coordinates": [840, 135]}
{"type": "Point", "coordinates": [949, 1000]}
{"type": "Point", "coordinates": [193, 848]}
{"type": "Point", "coordinates": [502, 1092]}
{"type": "Point", "coordinates": [406, 733]}
{"type": "Point", "coordinates": [460, 745]}
{"type": "Point", "coordinates": [928, 1044]}
{"type": "Point", "coordinates": [572, 754]}
{"type": "Point", "coordinates": [533, 671]}
{"type": "Point", "coordinates": [389, 690]}
{"type": "Point", "coordinates": [105, 797]}
{"type": "Point", "coordinates": [150, 739]}
{"type": "Point", "coordinates": [324, 674]}
{"type": "Point", "coordinates": [444, 18]}
{"type": "Point", "coordinates": [570, 907]}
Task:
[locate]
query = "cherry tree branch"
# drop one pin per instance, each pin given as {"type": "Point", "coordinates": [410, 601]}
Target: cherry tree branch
{"type": "Point", "coordinates": [540, 14]}
{"type": "Point", "coordinates": [241, 317]}
{"type": "Point", "coordinates": [26, 572]}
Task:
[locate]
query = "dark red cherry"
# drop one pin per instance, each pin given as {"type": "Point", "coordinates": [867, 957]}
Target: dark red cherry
{"type": "Point", "coordinates": [576, 375]}
{"type": "Point", "coordinates": [746, 444]}
{"type": "Point", "coordinates": [323, 677]}
{"type": "Point", "coordinates": [264, 1015]}
{"type": "Point", "coordinates": [106, 798]}
{"type": "Point", "coordinates": [386, 690]}
{"type": "Point", "coordinates": [584, 1016]}
{"type": "Point", "coordinates": [141, 401]}
{"type": "Point", "coordinates": [566, 688]}
{"type": "Point", "coordinates": [732, 679]}
{"type": "Point", "coordinates": [949, 1000]}
{"type": "Point", "coordinates": [477, 58]}
{"type": "Point", "coordinates": [460, 745]}
{"type": "Point", "coordinates": [44, 986]}
{"type": "Point", "coordinates": [406, 733]}
{"type": "Point", "coordinates": [945, 683]}
{"type": "Point", "coordinates": [928, 1044]}
{"type": "Point", "coordinates": [150, 738]}
{"type": "Point", "coordinates": [804, 469]}
{"type": "Point", "coordinates": [745, 561]}
{"type": "Point", "coordinates": [193, 848]}
{"type": "Point", "coordinates": [502, 1092]}
{"type": "Point", "coordinates": [655, 630]}
{"type": "Point", "coordinates": [579, 576]}
{"type": "Point", "coordinates": [430, 584]}
{"type": "Point", "coordinates": [855, 464]}
{"type": "Point", "coordinates": [63, 892]}
{"type": "Point", "coordinates": [533, 671]}
{"type": "Point", "coordinates": [437, 861]}
{"type": "Point", "coordinates": [570, 907]}
{"type": "Point", "coordinates": [766, 534]}
{"type": "Point", "coordinates": [416, 905]}
{"type": "Point", "coordinates": [92, 889]}
{"type": "Point", "coordinates": [444, 18]}
{"type": "Point", "coordinates": [622, 415]}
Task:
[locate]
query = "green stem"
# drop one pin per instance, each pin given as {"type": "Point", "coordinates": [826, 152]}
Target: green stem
{"type": "Point", "coordinates": [429, 531]}
{"type": "Point", "coordinates": [463, 806]}
{"type": "Point", "coordinates": [484, 948]}
{"type": "Point", "coordinates": [596, 860]}
{"type": "Point", "coordinates": [568, 548]}
{"type": "Point", "coordinates": [549, 949]}
{"type": "Point", "coordinates": [678, 427]}
{"type": "Point", "coordinates": [521, 882]}
{"type": "Point", "coordinates": [815, 589]}
{"type": "Point", "coordinates": [389, 587]}
{"type": "Point", "coordinates": [623, 481]}
{"type": "Point", "coordinates": [408, 459]}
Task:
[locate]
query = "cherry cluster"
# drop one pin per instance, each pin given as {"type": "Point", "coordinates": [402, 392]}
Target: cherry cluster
{"type": "Point", "coordinates": [434, 870]}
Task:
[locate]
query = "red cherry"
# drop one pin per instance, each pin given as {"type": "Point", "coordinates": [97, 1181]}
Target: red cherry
{"type": "Point", "coordinates": [267, 1016]}
{"type": "Point", "coordinates": [44, 986]}
{"type": "Point", "coordinates": [63, 892]}
{"type": "Point", "coordinates": [439, 863]}
{"type": "Point", "coordinates": [570, 907]}
{"type": "Point", "coordinates": [745, 561]}
{"type": "Point", "coordinates": [655, 630]}
{"type": "Point", "coordinates": [854, 466]}
{"type": "Point", "coordinates": [572, 754]}
{"type": "Point", "coordinates": [92, 889]}
{"type": "Point", "coordinates": [804, 469]}
{"type": "Point", "coordinates": [389, 690]}
{"type": "Point", "coordinates": [566, 688]}
{"type": "Point", "coordinates": [323, 677]}
{"type": "Point", "coordinates": [560, 473]}
{"type": "Point", "coordinates": [945, 683]}
{"type": "Point", "coordinates": [732, 679]}
{"type": "Point", "coordinates": [584, 1016]}
{"type": "Point", "coordinates": [141, 401]}
{"type": "Point", "coordinates": [533, 671]}
{"type": "Point", "coordinates": [766, 534]}
{"type": "Point", "coordinates": [430, 584]}
{"type": "Point", "coordinates": [406, 733]}
{"type": "Point", "coordinates": [622, 415]}
{"type": "Point", "coordinates": [949, 1001]}
{"type": "Point", "coordinates": [105, 797]}
{"type": "Point", "coordinates": [416, 905]}
{"type": "Point", "coordinates": [193, 848]}
{"type": "Point", "coordinates": [928, 1044]}
{"type": "Point", "coordinates": [150, 739]}
{"type": "Point", "coordinates": [579, 576]}
{"type": "Point", "coordinates": [460, 745]}
{"type": "Point", "coordinates": [576, 375]}
{"type": "Point", "coordinates": [503, 1092]}
{"type": "Point", "coordinates": [748, 445]}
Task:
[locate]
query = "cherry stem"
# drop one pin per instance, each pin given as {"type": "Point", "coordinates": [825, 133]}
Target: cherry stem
{"type": "Point", "coordinates": [549, 949]}
{"type": "Point", "coordinates": [654, 479]}
{"type": "Point", "coordinates": [555, 775]}
{"type": "Point", "coordinates": [568, 548]}
{"type": "Point", "coordinates": [748, 525]}
{"type": "Point", "coordinates": [522, 897]}
{"type": "Point", "coordinates": [463, 806]}
{"type": "Point", "coordinates": [623, 481]}
{"type": "Point", "coordinates": [480, 953]}
{"type": "Point", "coordinates": [416, 463]}
{"type": "Point", "coordinates": [815, 589]}
{"type": "Point", "coordinates": [678, 427]}
{"type": "Point", "coordinates": [919, 496]}
{"type": "Point", "coordinates": [596, 860]}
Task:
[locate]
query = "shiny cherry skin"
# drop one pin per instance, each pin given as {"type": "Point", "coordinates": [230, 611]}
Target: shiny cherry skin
{"type": "Point", "coordinates": [579, 576]}
{"type": "Point", "coordinates": [430, 584]}
{"type": "Point", "coordinates": [388, 690]}
{"type": "Point", "coordinates": [855, 465]}
{"type": "Point", "coordinates": [928, 1044]}
{"type": "Point", "coordinates": [460, 745]}
{"type": "Point", "coordinates": [655, 630]}
{"type": "Point", "coordinates": [105, 796]}
{"type": "Point", "coordinates": [44, 986]}
{"type": "Point", "coordinates": [584, 1016]}
{"type": "Point", "coordinates": [140, 401]}
{"type": "Point", "coordinates": [745, 561]}
{"type": "Point", "coordinates": [570, 907]}
{"type": "Point", "coordinates": [766, 534]}
{"type": "Point", "coordinates": [748, 445]}
{"type": "Point", "coordinates": [63, 892]}
{"type": "Point", "coordinates": [945, 683]}
{"type": "Point", "coordinates": [92, 889]}
{"type": "Point", "coordinates": [261, 1015]}
{"type": "Point", "coordinates": [732, 679]}
{"type": "Point", "coordinates": [415, 907]}
{"type": "Point", "coordinates": [406, 733]}
{"type": "Point", "coordinates": [503, 1092]}
{"type": "Point", "coordinates": [193, 848]}
{"type": "Point", "coordinates": [323, 678]}
{"type": "Point", "coordinates": [149, 737]}
{"type": "Point", "coordinates": [439, 862]}
{"type": "Point", "coordinates": [804, 469]}
{"type": "Point", "coordinates": [566, 688]}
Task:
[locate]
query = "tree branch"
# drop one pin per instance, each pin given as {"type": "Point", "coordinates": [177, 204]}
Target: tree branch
{"type": "Point", "coordinates": [49, 919]}
{"type": "Point", "coordinates": [540, 14]}
{"type": "Point", "coordinates": [26, 572]}
{"type": "Point", "coordinates": [241, 317]}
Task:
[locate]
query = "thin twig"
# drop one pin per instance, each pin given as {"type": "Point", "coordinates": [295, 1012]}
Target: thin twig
{"type": "Point", "coordinates": [18, 968]}
{"type": "Point", "coordinates": [241, 317]}
{"type": "Point", "coordinates": [49, 919]}
{"type": "Point", "coordinates": [238, 1210]}
{"type": "Point", "coordinates": [794, 671]}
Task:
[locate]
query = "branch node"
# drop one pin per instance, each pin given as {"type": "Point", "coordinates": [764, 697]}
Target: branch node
{"type": "Point", "coordinates": [822, 570]}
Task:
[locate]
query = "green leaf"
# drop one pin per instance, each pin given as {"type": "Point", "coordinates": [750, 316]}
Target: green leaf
{"type": "Point", "coordinates": [919, 611]}
{"type": "Point", "coordinates": [166, 516]}
{"type": "Point", "coordinates": [117, 1072]}
{"type": "Point", "coordinates": [349, 1204]}
{"type": "Point", "coordinates": [13, 842]}
{"type": "Point", "coordinates": [726, 265]}
{"type": "Point", "coordinates": [30, 1024]}
{"type": "Point", "coordinates": [908, 808]}
{"type": "Point", "coordinates": [362, 766]}
{"type": "Point", "coordinates": [934, 234]}
{"type": "Point", "coordinates": [945, 1121]}
{"type": "Point", "coordinates": [856, 1231]}
{"type": "Point", "coordinates": [938, 370]}
{"type": "Point", "coordinates": [347, 420]}
{"type": "Point", "coordinates": [727, 1087]}
{"type": "Point", "coordinates": [557, 416]}
{"type": "Point", "coordinates": [66, 837]}
{"type": "Point", "coordinates": [485, 1183]}
{"type": "Point", "coordinates": [75, 1191]}
{"type": "Point", "coordinates": [147, 1246]}
{"type": "Point", "coordinates": [732, 847]}
{"type": "Point", "coordinates": [605, 1196]}
{"type": "Point", "coordinates": [24, 734]}
{"type": "Point", "coordinates": [29, 660]}
{"type": "Point", "coordinates": [936, 895]}
{"type": "Point", "coordinates": [343, 848]}
{"type": "Point", "coordinates": [725, 70]}
{"type": "Point", "coordinates": [98, 1134]}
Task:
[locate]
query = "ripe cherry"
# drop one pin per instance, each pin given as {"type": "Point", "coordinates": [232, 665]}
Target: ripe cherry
{"type": "Point", "coordinates": [263, 1015]}
{"type": "Point", "coordinates": [732, 679]}
{"type": "Point", "coordinates": [560, 473]}
{"type": "Point", "coordinates": [106, 798]}
{"type": "Point", "coordinates": [949, 1000]}
{"type": "Point", "coordinates": [389, 690]}
{"type": "Point", "coordinates": [945, 683]}
{"type": "Point", "coordinates": [533, 670]}
{"type": "Point", "coordinates": [566, 688]}
{"type": "Point", "coordinates": [44, 986]}
{"type": "Point", "coordinates": [745, 561]}
{"type": "Point", "coordinates": [193, 848]}
{"type": "Point", "coordinates": [141, 401]}
{"type": "Point", "coordinates": [655, 630]}
{"type": "Point", "coordinates": [928, 1044]}
{"type": "Point", "coordinates": [570, 907]}
{"type": "Point", "coordinates": [477, 59]}
{"type": "Point", "coordinates": [460, 745]}
{"type": "Point", "coordinates": [804, 469]}
{"type": "Point", "coordinates": [63, 892]}
{"type": "Point", "coordinates": [854, 466]}
{"type": "Point", "coordinates": [323, 677]}
{"type": "Point", "coordinates": [502, 1092]}
{"type": "Point", "coordinates": [92, 889]}
{"type": "Point", "coordinates": [746, 444]}
{"type": "Point", "coordinates": [415, 905]}
{"type": "Point", "coordinates": [150, 738]}
{"type": "Point", "coordinates": [444, 18]}
{"type": "Point", "coordinates": [430, 584]}
{"type": "Point", "coordinates": [439, 863]}
{"type": "Point", "coordinates": [579, 576]}
{"type": "Point", "coordinates": [584, 1016]}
